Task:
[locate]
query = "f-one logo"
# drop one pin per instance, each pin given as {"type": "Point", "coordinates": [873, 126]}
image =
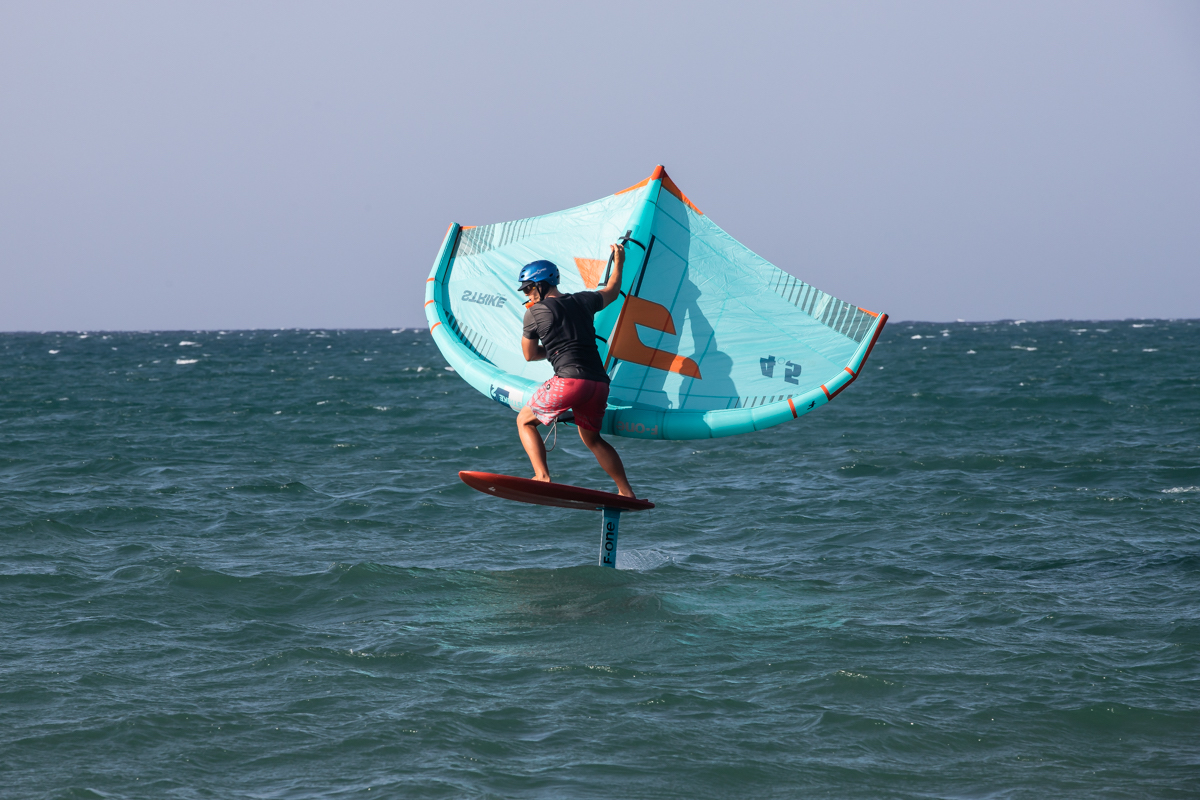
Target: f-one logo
{"type": "Point", "coordinates": [638, 428]}
{"type": "Point", "coordinates": [484, 299]}
{"type": "Point", "coordinates": [610, 543]}
{"type": "Point", "coordinates": [628, 347]}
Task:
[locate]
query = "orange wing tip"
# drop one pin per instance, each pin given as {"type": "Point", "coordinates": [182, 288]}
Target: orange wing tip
{"type": "Point", "coordinates": [660, 173]}
{"type": "Point", "coordinates": [670, 186]}
{"type": "Point", "coordinates": [872, 313]}
{"type": "Point", "coordinates": [637, 185]}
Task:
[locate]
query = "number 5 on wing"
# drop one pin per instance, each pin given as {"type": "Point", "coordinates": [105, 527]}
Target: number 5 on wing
{"type": "Point", "coordinates": [793, 372]}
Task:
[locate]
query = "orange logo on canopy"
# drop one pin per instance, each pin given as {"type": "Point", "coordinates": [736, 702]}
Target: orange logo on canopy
{"type": "Point", "coordinates": [625, 343]}
{"type": "Point", "coordinates": [627, 346]}
{"type": "Point", "coordinates": [591, 270]}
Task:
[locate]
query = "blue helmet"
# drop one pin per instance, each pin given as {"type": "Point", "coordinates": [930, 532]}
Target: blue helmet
{"type": "Point", "coordinates": [539, 272]}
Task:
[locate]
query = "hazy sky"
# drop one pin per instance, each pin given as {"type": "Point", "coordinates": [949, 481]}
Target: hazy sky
{"type": "Point", "coordinates": [241, 165]}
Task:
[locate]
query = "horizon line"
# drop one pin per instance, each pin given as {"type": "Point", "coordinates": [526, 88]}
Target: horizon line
{"type": "Point", "coordinates": [424, 328]}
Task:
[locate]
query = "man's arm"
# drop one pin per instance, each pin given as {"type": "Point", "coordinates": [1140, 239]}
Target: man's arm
{"type": "Point", "coordinates": [612, 289]}
{"type": "Point", "coordinates": [532, 349]}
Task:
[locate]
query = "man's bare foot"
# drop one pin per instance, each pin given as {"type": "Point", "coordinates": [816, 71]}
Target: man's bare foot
{"type": "Point", "coordinates": [542, 478]}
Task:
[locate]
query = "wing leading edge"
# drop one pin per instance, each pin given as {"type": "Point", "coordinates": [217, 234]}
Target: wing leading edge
{"type": "Point", "coordinates": [707, 338]}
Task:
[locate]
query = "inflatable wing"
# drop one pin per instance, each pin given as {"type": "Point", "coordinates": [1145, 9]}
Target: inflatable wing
{"type": "Point", "coordinates": [707, 339]}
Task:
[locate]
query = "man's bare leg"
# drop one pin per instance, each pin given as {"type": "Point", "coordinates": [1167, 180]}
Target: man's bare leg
{"type": "Point", "coordinates": [531, 440]}
{"type": "Point", "coordinates": [608, 458]}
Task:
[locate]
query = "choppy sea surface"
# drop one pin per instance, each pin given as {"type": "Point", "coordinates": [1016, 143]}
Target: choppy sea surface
{"type": "Point", "coordinates": [241, 564]}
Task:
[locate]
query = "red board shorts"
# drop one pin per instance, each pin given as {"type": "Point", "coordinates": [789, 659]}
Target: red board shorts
{"type": "Point", "coordinates": [587, 399]}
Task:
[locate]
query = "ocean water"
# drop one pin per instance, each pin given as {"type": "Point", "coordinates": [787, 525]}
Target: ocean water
{"type": "Point", "coordinates": [241, 564]}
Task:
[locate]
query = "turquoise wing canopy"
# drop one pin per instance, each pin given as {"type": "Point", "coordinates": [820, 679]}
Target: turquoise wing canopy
{"type": "Point", "coordinates": [707, 338]}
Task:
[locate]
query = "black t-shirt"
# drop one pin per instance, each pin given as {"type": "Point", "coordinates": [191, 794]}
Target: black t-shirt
{"type": "Point", "coordinates": [564, 324]}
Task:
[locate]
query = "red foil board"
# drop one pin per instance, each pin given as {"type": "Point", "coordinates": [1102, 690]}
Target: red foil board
{"type": "Point", "coordinates": [525, 490]}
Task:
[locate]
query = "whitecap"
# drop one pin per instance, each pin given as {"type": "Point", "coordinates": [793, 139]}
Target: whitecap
{"type": "Point", "coordinates": [918, 336]}
{"type": "Point", "coordinates": [189, 344]}
{"type": "Point", "coordinates": [186, 360]}
{"type": "Point", "coordinates": [969, 352]}
{"type": "Point", "coordinates": [1149, 349]}
{"type": "Point", "coordinates": [642, 560]}
{"type": "Point", "coordinates": [55, 352]}
{"type": "Point", "coordinates": [1181, 490]}
{"type": "Point", "coordinates": [1141, 325]}
{"type": "Point", "coordinates": [448, 369]}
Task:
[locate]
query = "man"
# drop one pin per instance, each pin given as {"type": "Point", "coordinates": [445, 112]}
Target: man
{"type": "Point", "coordinates": [559, 327]}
